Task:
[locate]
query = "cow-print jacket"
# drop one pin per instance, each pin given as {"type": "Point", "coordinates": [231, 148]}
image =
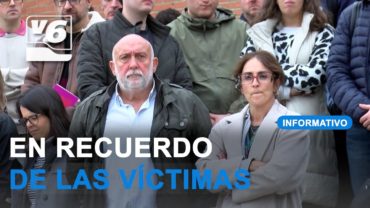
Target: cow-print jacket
{"type": "Point", "coordinates": [303, 77]}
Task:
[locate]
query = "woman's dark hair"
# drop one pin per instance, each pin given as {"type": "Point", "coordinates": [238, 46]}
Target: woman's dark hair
{"type": "Point", "coordinates": [44, 100]}
{"type": "Point", "coordinates": [318, 22]}
{"type": "Point", "coordinates": [268, 60]}
{"type": "Point", "coordinates": [168, 15]}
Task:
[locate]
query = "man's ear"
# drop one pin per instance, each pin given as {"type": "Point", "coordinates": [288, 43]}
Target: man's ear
{"type": "Point", "coordinates": [112, 67]}
{"type": "Point", "coordinates": [155, 64]}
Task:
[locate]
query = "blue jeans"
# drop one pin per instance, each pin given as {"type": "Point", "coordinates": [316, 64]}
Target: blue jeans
{"type": "Point", "coordinates": [358, 151]}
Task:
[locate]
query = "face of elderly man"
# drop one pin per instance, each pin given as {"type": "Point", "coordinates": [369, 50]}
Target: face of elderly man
{"type": "Point", "coordinates": [110, 7]}
{"type": "Point", "coordinates": [133, 63]}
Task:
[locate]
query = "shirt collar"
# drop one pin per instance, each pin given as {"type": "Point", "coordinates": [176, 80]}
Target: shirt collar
{"type": "Point", "coordinates": [121, 103]}
{"type": "Point", "coordinates": [20, 31]}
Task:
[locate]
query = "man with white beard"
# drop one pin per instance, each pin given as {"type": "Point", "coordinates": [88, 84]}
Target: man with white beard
{"type": "Point", "coordinates": [138, 104]}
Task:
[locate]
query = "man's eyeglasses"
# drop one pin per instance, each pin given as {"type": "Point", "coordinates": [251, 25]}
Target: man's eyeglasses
{"type": "Point", "coordinates": [7, 2]}
{"type": "Point", "coordinates": [262, 77]}
{"type": "Point", "coordinates": [33, 119]}
{"type": "Point", "coordinates": [62, 3]}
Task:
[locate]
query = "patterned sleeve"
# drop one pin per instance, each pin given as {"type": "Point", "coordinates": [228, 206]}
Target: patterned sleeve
{"type": "Point", "coordinates": [248, 47]}
{"type": "Point", "coordinates": [307, 77]}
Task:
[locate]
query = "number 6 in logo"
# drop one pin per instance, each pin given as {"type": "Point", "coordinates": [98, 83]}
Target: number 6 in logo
{"type": "Point", "coordinates": [55, 33]}
{"type": "Point", "coordinates": [50, 47]}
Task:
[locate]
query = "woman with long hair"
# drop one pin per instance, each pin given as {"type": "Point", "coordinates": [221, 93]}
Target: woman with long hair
{"type": "Point", "coordinates": [42, 112]}
{"type": "Point", "coordinates": [43, 104]}
{"type": "Point", "coordinates": [297, 33]}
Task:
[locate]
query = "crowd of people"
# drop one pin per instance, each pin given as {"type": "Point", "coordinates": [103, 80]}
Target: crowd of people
{"type": "Point", "coordinates": [201, 72]}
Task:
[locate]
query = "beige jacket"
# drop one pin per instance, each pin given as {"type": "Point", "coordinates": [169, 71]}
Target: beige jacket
{"type": "Point", "coordinates": [286, 152]}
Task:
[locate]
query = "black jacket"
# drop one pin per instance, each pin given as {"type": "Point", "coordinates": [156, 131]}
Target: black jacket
{"type": "Point", "coordinates": [177, 113]}
{"type": "Point", "coordinates": [97, 44]}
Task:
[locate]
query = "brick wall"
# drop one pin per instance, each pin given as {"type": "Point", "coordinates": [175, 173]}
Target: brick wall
{"type": "Point", "coordinates": [33, 7]}
{"type": "Point", "coordinates": [233, 5]}
{"type": "Point", "coordinates": [36, 7]}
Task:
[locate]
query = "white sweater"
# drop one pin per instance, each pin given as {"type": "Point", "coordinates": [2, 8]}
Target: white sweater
{"type": "Point", "coordinates": [13, 65]}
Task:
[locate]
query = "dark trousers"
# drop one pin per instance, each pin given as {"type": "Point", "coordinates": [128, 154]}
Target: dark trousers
{"type": "Point", "coordinates": [345, 191]}
{"type": "Point", "coordinates": [358, 150]}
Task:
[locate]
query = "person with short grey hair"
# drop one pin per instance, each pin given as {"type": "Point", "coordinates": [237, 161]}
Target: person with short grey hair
{"type": "Point", "coordinates": [138, 104]}
{"type": "Point", "coordinates": [109, 7]}
{"type": "Point", "coordinates": [134, 18]}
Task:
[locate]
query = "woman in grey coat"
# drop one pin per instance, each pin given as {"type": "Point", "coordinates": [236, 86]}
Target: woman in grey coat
{"type": "Point", "coordinates": [276, 159]}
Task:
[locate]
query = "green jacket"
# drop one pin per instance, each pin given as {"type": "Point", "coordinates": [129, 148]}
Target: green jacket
{"type": "Point", "coordinates": [177, 113]}
{"type": "Point", "coordinates": [212, 49]}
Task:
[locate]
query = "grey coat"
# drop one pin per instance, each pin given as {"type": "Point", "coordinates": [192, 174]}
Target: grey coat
{"type": "Point", "coordinates": [51, 196]}
{"type": "Point", "coordinates": [276, 184]}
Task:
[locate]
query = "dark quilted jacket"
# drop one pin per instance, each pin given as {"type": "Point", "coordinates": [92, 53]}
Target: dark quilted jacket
{"type": "Point", "coordinates": [348, 64]}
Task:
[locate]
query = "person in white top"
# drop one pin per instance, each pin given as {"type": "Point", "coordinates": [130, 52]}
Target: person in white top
{"type": "Point", "coordinates": [13, 43]}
